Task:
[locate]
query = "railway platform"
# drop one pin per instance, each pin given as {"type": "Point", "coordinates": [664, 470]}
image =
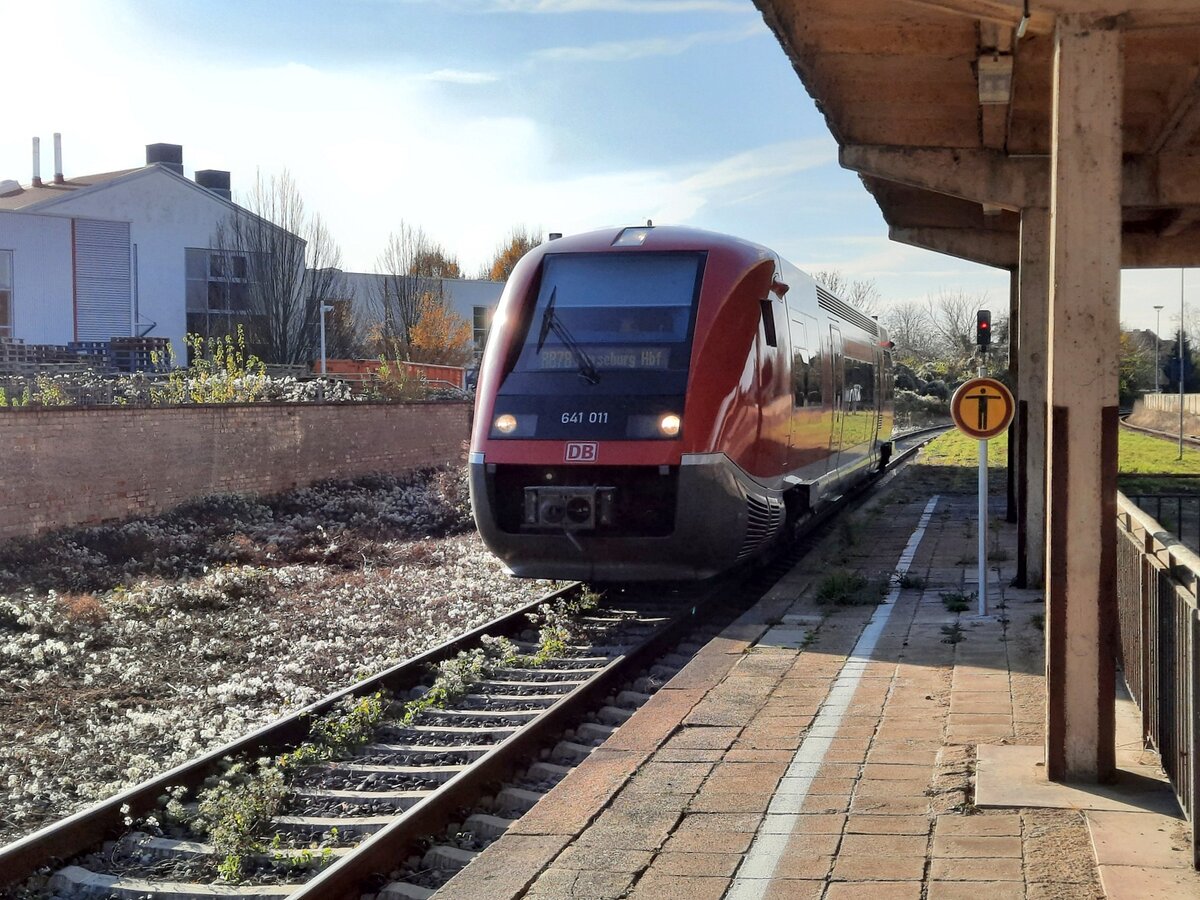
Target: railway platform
{"type": "Point", "coordinates": [825, 751]}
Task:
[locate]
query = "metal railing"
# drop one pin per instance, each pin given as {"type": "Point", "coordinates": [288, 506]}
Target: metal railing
{"type": "Point", "coordinates": [1176, 513]}
{"type": "Point", "coordinates": [1158, 580]}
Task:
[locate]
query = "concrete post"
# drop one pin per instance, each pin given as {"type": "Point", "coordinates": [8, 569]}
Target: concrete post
{"type": "Point", "coordinates": [1034, 277]}
{"type": "Point", "coordinates": [1015, 467]}
{"type": "Point", "coordinates": [1085, 261]}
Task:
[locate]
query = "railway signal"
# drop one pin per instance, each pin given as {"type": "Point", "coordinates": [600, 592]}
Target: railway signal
{"type": "Point", "coordinates": [983, 328]}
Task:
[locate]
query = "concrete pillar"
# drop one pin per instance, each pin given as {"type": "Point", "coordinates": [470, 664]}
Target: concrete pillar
{"type": "Point", "coordinates": [1085, 260]}
{"type": "Point", "coordinates": [1034, 278]}
{"type": "Point", "coordinates": [1014, 470]}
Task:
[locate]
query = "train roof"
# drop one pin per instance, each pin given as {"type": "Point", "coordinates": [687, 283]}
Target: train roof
{"type": "Point", "coordinates": [654, 237]}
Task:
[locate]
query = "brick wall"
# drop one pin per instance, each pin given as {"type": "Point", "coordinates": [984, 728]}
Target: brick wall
{"type": "Point", "coordinates": [71, 466]}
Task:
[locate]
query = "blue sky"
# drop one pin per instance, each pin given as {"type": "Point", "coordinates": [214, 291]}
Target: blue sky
{"type": "Point", "coordinates": [467, 117]}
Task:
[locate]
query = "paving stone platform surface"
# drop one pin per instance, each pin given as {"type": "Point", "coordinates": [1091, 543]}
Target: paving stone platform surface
{"type": "Point", "coordinates": [781, 764]}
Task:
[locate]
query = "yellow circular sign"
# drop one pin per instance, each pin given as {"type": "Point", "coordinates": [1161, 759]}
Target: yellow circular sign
{"type": "Point", "coordinates": [982, 408]}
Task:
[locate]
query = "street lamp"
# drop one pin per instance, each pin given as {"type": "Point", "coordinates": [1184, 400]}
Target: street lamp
{"type": "Point", "coordinates": [1157, 325]}
{"type": "Point", "coordinates": [324, 309]}
{"type": "Point", "coordinates": [1181, 369]}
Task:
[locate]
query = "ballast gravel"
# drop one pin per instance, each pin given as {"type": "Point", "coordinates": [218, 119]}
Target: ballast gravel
{"type": "Point", "coordinates": [128, 649]}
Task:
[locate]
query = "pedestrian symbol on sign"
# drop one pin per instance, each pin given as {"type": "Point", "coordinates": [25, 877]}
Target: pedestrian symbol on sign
{"type": "Point", "coordinates": [982, 408]}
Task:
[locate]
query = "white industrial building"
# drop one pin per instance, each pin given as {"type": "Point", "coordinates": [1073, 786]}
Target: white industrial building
{"type": "Point", "coordinates": [131, 254]}
{"type": "Point", "coordinates": [117, 254]}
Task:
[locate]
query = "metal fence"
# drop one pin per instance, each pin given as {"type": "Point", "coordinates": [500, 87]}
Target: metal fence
{"type": "Point", "coordinates": [1176, 513]}
{"type": "Point", "coordinates": [1157, 592]}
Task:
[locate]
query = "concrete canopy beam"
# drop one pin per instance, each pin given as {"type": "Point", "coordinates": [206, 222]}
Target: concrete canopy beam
{"type": "Point", "coordinates": [981, 176]}
{"type": "Point", "coordinates": [1165, 181]}
{"type": "Point", "coordinates": [1152, 251]}
{"type": "Point", "coordinates": [1002, 249]}
{"type": "Point", "coordinates": [1085, 262]}
{"type": "Point", "coordinates": [992, 248]}
{"type": "Point", "coordinates": [1132, 13]}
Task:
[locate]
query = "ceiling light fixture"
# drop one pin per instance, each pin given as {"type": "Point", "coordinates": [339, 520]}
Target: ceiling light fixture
{"type": "Point", "coordinates": [995, 78]}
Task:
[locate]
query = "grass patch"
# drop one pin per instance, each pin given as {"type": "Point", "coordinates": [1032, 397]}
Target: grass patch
{"type": "Point", "coordinates": [1159, 484]}
{"type": "Point", "coordinates": [1139, 455]}
{"type": "Point", "coordinates": [909, 580]}
{"type": "Point", "coordinates": [956, 449]}
{"type": "Point", "coordinates": [957, 601]}
{"type": "Point", "coordinates": [952, 634]}
{"type": "Point", "coordinates": [843, 588]}
{"type": "Point", "coordinates": [1142, 454]}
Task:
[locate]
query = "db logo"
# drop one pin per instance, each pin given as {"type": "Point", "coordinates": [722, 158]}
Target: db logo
{"type": "Point", "coordinates": [582, 451]}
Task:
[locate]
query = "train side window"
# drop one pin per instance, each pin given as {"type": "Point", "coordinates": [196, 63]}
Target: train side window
{"type": "Point", "coordinates": [768, 318]}
{"type": "Point", "coordinates": [801, 365]}
{"type": "Point", "coordinates": [860, 385]}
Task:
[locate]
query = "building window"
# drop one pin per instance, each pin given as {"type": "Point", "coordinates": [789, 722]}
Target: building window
{"type": "Point", "coordinates": [482, 320]}
{"type": "Point", "coordinates": [218, 281]}
{"type": "Point", "coordinates": [6, 294]}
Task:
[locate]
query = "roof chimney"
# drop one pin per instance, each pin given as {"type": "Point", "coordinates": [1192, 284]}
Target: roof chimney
{"type": "Point", "coordinates": [37, 162]}
{"type": "Point", "coordinates": [169, 156]}
{"type": "Point", "coordinates": [215, 180]}
{"type": "Point", "coordinates": [58, 172]}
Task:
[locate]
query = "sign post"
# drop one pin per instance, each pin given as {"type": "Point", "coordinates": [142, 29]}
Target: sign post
{"type": "Point", "coordinates": [982, 408]}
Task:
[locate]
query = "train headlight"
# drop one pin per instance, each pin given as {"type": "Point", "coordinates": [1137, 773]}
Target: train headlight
{"type": "Point", "coordinates": [653, 426]}
{"type": "Point", "coordinates": [515, 425]}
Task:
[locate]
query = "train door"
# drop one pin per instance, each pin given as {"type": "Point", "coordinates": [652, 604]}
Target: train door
{"type": "Point", "coordinates": [837, 385]}
{"type": "Point", "coordinates": [771, 441]}
{"type": "Point", "coordinates": [800, 364]}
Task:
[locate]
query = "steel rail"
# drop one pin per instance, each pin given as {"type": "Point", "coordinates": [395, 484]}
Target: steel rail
{"type": "Point", "coordinates": [346, 876]}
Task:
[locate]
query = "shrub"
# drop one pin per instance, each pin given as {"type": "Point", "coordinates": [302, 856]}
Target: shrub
{"type": "Point", "coordinates": [937, 389]}
{"type": "Point", "coordinates": [916, 411]}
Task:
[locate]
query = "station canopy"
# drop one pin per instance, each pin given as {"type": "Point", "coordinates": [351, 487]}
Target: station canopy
{"type": "Point", "coordinates": [945, 108]}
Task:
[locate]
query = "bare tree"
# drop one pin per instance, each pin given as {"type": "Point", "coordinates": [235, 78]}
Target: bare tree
{"type": "Point", "coordinates": [410, 268]}
{"type": "Point", "coordinates": [908, 326]}
{"type": "Point", "coordinates": [952, 318]}
{"type": "Point", "coordinates": [861, 293]}
{"type": "Point", "coordinates": [277, 263]}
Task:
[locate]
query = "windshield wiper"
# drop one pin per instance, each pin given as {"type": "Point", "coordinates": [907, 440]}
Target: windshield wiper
{"type": "Point", "coordinates": [547, 320]}
{"type": "Point", "coordinates": [551, 322]}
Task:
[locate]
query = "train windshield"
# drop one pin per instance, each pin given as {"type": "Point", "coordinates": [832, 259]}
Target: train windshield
{"type": "Point", "coordinates": [613, 312]}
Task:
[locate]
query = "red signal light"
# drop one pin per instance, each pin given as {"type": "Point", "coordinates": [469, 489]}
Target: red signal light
{"type": "Point", "coordinates": [983, 328]}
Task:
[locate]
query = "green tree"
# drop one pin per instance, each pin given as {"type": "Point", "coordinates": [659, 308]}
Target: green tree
{"type": "Point", "coordinates": [1136, 371]}
{"type": "Point", "coordinates": [1171, 367]}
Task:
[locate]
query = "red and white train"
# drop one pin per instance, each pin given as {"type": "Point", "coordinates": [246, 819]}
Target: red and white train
{"type": "Point", "coordinates": [660, 402]}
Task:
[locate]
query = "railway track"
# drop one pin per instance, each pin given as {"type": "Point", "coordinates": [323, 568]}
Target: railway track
{"type": "Point", "coordinates": [1192, 440]}
{"type": "Point", "coordinates": [408, 781]}
{"type": "Point", "coordinates": [418, 780]}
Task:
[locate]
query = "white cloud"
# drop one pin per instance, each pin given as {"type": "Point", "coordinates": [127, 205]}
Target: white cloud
{"type": "Point", "coordinates": [643, 48]}
{"type": "Point", "coordinates": [460, 76]}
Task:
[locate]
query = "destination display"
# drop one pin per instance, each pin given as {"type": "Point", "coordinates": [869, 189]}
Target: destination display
{"type": "Point", "coordinates": [615, 357]}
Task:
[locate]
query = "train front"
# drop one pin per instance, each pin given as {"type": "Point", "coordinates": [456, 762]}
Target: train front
{"type": "Point", "coordinates": [583, 456]}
